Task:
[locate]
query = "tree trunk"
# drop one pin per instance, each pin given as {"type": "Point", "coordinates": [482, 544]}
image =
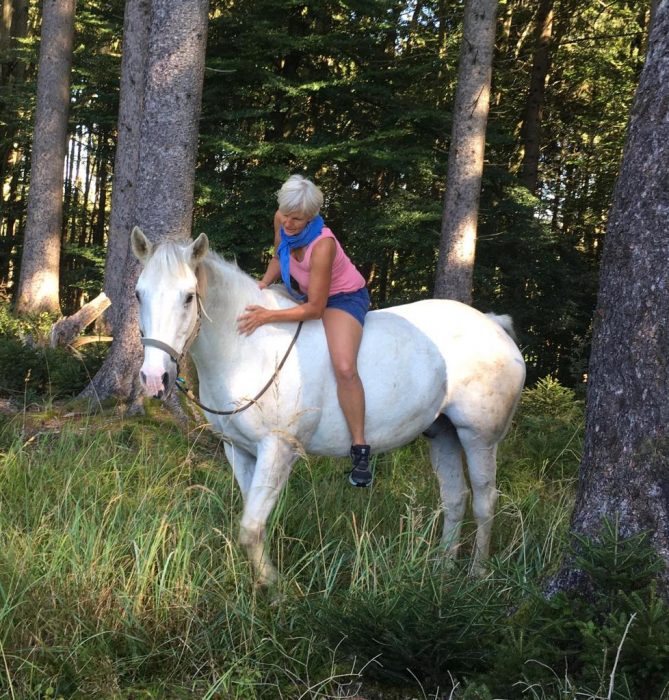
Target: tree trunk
{"type": "Point", "coordinates": [531, 129]}
{"type": "Point", "coordinates": [68, 186]}
{"type": "Point", "coordinates": [623, 474]}
{"type": "Point", "coordinates": [40, 262]}
{"type": "Point", "coordinates": [173, 95]}
{"type": "Point", "coordinates": [19, 31]}
{"type": "Point", "coordinates": [84, 236]}
{"type": "Point", "coordinates": [12, 72]}
{"type": "Point", "coordinates": [653, 11]}
{"type": "Point", "coordinates": [465, 160]}
{"type": "Point", "coordinates": [101, 186]}
{"type": "Point", "coordinates": [164, 185]}
{"type": "Point", "coordinates": [5, 38]}
{"type": "Point", "coordinates": [136, 27]}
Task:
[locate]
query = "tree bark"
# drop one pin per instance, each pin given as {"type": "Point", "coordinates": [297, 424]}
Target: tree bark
{"type": "Point", "coordinates": [40, 262]}
{"type": "Point", "coordinates": [653, 11]}
{"type": "Point", "coordinates": [531, 128]}
{"type": "Point", "coordinates": [625, 465]}
{"type": "Point", "coordinates": [136, 26]}
{"type": "Point", "coordinates": [165, 180]}
{"type": "Point", "coordinates": [465, 160]}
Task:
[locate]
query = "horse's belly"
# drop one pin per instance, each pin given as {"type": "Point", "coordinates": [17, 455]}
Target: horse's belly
{"type": "Point", "coordinates": [404, 378]}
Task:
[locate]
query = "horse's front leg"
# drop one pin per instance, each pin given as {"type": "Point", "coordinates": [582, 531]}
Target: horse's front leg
{"type": "Point", "coordinates": [243, 465]}
{"type": "Point", "coordinates": [274, 461]}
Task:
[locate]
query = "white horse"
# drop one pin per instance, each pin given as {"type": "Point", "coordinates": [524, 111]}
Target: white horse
{"type": "Point", "coordinates": [435, 367]}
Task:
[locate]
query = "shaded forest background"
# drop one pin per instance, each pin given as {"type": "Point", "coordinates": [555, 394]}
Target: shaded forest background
{"type": "Point", "coordinates": [358, 95]}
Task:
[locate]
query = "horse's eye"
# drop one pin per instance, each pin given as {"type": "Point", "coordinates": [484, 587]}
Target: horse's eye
{"type": "Point", "coordinates": [137, 295]}
{"type": "Point", "coordinates": [189, 299]}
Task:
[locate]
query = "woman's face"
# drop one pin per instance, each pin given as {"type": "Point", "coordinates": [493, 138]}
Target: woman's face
{"type": "Point", "coordinates": [293, 222]}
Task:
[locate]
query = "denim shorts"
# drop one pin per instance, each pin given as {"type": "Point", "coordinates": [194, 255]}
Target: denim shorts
{"type": "Point", "coordinates": [354, 303]}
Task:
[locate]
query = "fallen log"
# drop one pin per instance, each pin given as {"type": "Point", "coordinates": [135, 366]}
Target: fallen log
{"type": "Point", "coordinates": [66, 331]}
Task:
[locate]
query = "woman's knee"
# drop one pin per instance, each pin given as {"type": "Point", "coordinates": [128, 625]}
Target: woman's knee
{"type": "Point", "coordinates": [345, 371]}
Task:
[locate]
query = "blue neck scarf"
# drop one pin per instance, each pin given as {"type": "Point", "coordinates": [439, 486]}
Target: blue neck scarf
{"type": "Point", "coordinates": [308, 234]}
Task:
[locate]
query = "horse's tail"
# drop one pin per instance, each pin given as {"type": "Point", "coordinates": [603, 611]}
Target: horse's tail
{"type": "Point", "coordinates": [506, 323]}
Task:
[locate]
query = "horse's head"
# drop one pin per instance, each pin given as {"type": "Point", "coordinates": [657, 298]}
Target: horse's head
{"type": "Point", "coordinates": [168, 306]}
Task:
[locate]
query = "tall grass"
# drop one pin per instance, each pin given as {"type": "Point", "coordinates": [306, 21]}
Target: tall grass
{"type": "Point", "coordinates": [120, 576]}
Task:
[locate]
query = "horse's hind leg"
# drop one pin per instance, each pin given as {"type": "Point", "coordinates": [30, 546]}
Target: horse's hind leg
{"type": "Point", "coordinates": [272, 468]}
{"type": "Point", "coordinates": [482, 468]}
{"type": "Point", "coordinates": [446, 458]}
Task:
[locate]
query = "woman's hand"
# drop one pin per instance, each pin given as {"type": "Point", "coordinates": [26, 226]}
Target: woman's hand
{"type": "Point", "coordinates": [252, 318]}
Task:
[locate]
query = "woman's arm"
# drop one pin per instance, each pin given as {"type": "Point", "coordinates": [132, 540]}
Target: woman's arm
{"type": "Point", "coordinates": [322, 258]}
{"type": "Point", "coordinates": [273, 272]}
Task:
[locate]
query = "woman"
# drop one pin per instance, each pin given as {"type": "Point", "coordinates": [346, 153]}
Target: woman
{"type": "Point", "coordinates": [332, 290]}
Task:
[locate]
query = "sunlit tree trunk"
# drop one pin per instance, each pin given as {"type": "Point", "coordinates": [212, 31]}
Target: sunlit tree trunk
{"type": "Point", "coordinates": [162, 189]}
{"type": "Point", "coordinates": [40, 262]}
{"type": "Point", "coordinates": [465, 160]}
{"type": "Point", "coordinates": [623, 474]}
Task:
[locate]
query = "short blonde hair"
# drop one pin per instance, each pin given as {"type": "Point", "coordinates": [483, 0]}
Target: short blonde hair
{"type": "Point", "coordinates": [299, 194]}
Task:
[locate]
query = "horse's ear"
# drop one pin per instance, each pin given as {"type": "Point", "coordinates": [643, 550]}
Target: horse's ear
{"type": "Point", "coordinates": [141, 245]}
{"type": "Point", "coordinates": [199, 249]}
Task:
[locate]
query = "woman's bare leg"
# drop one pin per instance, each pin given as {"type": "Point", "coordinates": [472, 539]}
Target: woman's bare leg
{"type": "Point", "coordinates": [344, 334]}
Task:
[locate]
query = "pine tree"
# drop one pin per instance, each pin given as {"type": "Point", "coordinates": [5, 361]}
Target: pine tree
{"type": "Point", "coordinates": [163, 194]}
{"type": "Point", "coordinates": [626, 452]}
{"type": "Point", "coordinates": [455, 267]}
{"type": "Point", "coordinates": [40, 262]}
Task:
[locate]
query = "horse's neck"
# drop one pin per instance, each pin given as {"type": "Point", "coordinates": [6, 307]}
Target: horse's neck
{"type": "Point", "coordinates": [228, 291]}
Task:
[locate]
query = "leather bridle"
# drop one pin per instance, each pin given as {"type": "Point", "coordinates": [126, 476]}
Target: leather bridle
{"type": "Point", "coordinates": [177, 358]}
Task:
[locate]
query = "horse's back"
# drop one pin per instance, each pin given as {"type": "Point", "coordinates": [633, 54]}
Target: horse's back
{"type": "Point", "coordinates": [485, 369]}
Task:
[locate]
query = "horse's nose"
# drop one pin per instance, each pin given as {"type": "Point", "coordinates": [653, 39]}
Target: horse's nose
{"type": "Point", "coordinates": [165, 379]}
{"type": "Point", "coordinates": [155, 384]}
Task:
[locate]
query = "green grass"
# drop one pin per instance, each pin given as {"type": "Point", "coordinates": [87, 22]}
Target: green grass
{"type": "Point", "coordinates": [120, 576]}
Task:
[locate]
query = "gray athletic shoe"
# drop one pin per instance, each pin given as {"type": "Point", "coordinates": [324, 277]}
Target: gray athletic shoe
{"type": "Point", "coordinates": [361, 475]}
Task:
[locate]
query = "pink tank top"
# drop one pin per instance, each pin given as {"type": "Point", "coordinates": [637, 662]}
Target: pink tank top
{"type": "Point", "coordinates": [345, 275]}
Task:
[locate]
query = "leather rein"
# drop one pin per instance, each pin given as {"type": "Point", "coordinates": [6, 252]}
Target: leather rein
{"type": "Point", "coordinates": [178, 357]}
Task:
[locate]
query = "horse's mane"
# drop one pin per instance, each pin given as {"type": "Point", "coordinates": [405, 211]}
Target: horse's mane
{"type": "Point", "coordinates": [213, 270]}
